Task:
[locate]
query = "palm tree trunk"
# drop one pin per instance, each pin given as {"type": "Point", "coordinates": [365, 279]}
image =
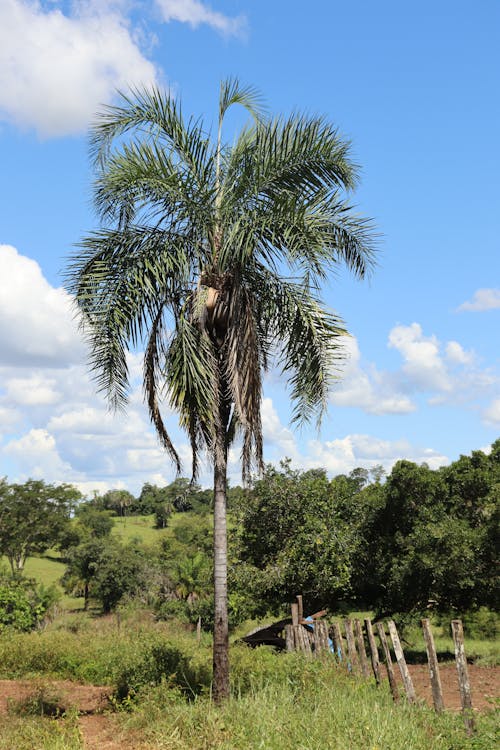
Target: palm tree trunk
{"type": "Point", "coordinates": [221, 627]}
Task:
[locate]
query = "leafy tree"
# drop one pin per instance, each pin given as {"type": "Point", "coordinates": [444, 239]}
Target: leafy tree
{"type": "Point", "coordinates": [196, 236]}
{"type": "Point", "coordinates": [120, 573]}
{"type": "Point", "coordinates": [33, 517]}
{"type": "Point", "coordinates": [119, 501]}
{"type": "Point", "coordinates": [92, 521]}
{"type": "Point", "coordinates": [82, 563]}
{"type": "Point", "coordinates": [295, 537]}
{"type": "Point", "coordinates": [104, 569]}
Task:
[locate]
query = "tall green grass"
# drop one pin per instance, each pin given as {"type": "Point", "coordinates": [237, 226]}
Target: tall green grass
{"type": "Point", "coordinates": [161, 678]}
{"type": "Point", "coordinates": [34, 733]}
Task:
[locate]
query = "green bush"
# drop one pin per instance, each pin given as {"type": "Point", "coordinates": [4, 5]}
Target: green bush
{"type": "Point", "coordinates": [163, 662]}
{"type": "Point", "coordinates": [481, 623]}
{"type": "Point", "coordinates": [23, 604]}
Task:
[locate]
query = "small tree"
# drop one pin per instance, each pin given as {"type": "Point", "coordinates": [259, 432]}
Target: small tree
{"type": "Point", "coordinates": [33, 517]}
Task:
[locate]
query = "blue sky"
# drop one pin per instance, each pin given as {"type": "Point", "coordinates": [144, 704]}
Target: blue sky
{"type": "Point", "coordinates": [413, 86]}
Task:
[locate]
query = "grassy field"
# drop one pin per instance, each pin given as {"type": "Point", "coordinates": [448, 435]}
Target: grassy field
{"type": "Point", "coordinates": [161, 681]}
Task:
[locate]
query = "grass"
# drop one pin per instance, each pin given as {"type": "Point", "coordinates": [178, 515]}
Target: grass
{"type": "Point", "coordinates": [162, 680]}
{"type": "Point", "coordinates": [32, 733]}
{"type": "Point", "coordinates": [141, 528]}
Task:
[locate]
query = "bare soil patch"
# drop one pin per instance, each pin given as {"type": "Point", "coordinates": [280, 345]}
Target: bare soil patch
{"type": "Point", "coordinates": [484, 681]}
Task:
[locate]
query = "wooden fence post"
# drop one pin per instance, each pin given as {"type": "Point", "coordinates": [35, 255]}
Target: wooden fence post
{"type": "Point", "coordinates": [337, 641]}
{"type": "Point", "coordinates": [463, 675]}
{"type": "Point", "coordinates": [300, 607]}
{"type": "Point", "coordinates": [403, 668]}
{"type": "Point", "coordinates": [361, 648]}
{"type": "Point", "coordinates": [351, 645]}
{"type": "Point", "coordinates": [437, 691]}
{"type": "Point", "coordinates": [320, 637]}
{"type": "Point", "coordinates": [373, 651]}
{"type": "Point", "coordinates": [289, 639]}
{"type": "Point", "coordinates": [388, 661]}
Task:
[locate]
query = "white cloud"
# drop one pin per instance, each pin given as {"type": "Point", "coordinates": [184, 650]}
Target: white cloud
{"type": "Point", "coordinates": [371, 390]}
{"type": "Point", "coordinates": [491, 414]}
{"type": "Point", "coordinates": [423, 365]}
{"type": "Point", "coordinates": [36, 325]}
{"type": "Point", "coordinates": [343, 455]}
{"type": "Point", "coordinates": [483, 299]}
{"type": "Point", "coordinates": [36, 390]}
{"type": "Point", "coordinates": [457, 355]}
{"type": "Point", "coordinates": [36, 321]}
{"type": "Point", "coordinates": [56, 69]}
{"type": "Point", "coordinates": [37, 455]}
{"type": "Point", "coordinates": [195, 13]}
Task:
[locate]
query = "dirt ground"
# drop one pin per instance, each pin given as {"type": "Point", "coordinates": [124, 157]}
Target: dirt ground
{"type": "Point", "coordinates": [100, 731]}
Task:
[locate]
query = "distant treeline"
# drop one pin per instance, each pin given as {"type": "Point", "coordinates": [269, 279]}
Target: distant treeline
{"type": "Point", "coordinates": [413, 541]}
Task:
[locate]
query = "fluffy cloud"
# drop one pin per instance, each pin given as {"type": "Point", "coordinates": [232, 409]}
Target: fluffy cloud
{"type": "Point", "coordinates": [196, 13]}
{"type": "Point", "coordinates": [345, 454]}
{"type": "Point", "coordinates": [483, 299]}
{"type": "Point", "coordinates": [36, 322]}
{"type": "Point", "coordinates": [370, 390]}
{"type": "Point", "coordinates": [56, 69]}
{"type": "Point", "coordinates": [491, 414]}
{"type": "Point", "coordinates": [423, 365]}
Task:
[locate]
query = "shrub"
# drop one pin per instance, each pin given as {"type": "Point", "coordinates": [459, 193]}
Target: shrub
{"type": "Point", "coordinates": [23, 604]}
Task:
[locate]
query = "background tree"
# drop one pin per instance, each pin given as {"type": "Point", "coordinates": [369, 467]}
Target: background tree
{"type": "Point", "coordinates": [33, 517]}
{"type": "Point", "coordinates": [213, 257]}
{"type": "Point", "coordinates": [293, 534]}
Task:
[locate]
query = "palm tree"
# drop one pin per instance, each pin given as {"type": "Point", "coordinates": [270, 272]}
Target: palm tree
{"type": "Point", "coordinates": [190, 263]}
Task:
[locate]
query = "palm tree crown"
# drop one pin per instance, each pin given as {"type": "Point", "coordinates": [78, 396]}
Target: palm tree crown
{"type": "Point", "coordinates": [212, 257]}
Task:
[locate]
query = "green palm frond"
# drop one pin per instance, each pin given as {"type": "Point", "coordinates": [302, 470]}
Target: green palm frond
{"type": "Point", "coordinates": [154, 117]}
{"type": "Point", "coordinates": [232, 92]}
{"type": "Point", "coordinates": [191, 264]}
{"type": "Point", "coordinates": [191, 377]}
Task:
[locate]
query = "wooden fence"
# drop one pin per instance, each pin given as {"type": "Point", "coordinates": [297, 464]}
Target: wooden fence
{"type": "Point", "coordinates": [314, 637]}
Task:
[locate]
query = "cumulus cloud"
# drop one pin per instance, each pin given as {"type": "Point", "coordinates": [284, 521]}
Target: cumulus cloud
{"type": "Point", "coordinates": [491, 415]}
{"type": "Point", "coordinates": [195, 13]}
{"type": "Point", "coordinates": [423, 364]}
{"type": "Point", "coordinates": [342, 455]}
{"type": "Point", "coordinates": [368, 389]}
{"type": "Point", "coordinates": [56, 69]}
{"type": "Point", "coordinates": [36, 321]}
{"type": "Point", "coordinates": [483, 299]}
{"type": "Point", "coordinates": [37, 454]}
{"type": "Point", "coordinates": [457, 354]}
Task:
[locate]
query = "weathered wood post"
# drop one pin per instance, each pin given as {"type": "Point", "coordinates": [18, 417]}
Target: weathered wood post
{"type": "Point", "coordinates": [373, 651]}
{"type": "Point", "coordinates": [388, 661]}
{"type": "Point", "coordinates": [301, 607]}
{"type": "Point", "coordinates": [337, 641]}
{"type": "Point", "coordinates": [361, 648]}
{"type": "Point", "coordinates": [198, 631]}
{"type": "Point", "coordinates": [289, 639]}
{"type": "Point", "coordinates": [403, 667]}
{"type": "Point", "coordinates": [320, 637]}
{"type": "Point", "coordinates": [437, 691]}
{"type": "Point", "coordinates": [463, 675]}
{"type": "Point", "coordinates": [300, 636]}
{"type": "Point", "coordinates": [351, 645]}
{"type": "Point", "coordinates": [295, 626]}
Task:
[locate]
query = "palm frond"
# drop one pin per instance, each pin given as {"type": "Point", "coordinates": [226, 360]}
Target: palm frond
{"type": "Point", "coordinates": [191, 381]}
{"type": "Point", "coordinates": [232, 92]}
{"type": "Point", "coordinates": [153, 359]}
{"type": "Point", "coordinates": [243, 364]}
{"type": "Point", "coordinates": [155, 116]}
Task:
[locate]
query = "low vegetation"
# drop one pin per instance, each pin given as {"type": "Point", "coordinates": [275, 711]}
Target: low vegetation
{"type": "Point", "coordinates": [160, 681]}
{"type": "Point", "coordinates": [112, 597]}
